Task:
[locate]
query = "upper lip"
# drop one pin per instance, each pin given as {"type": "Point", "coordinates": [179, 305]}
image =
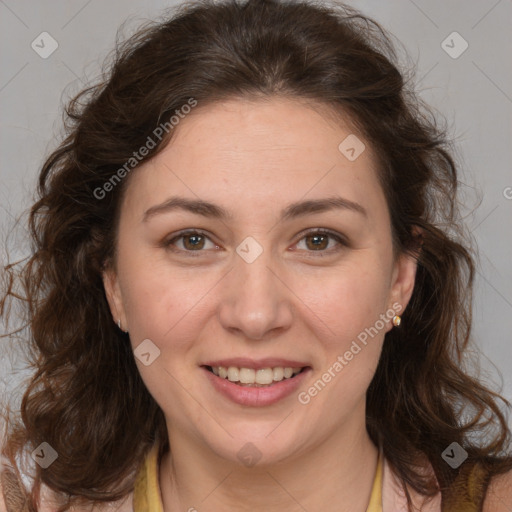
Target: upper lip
{"type": "Point", "coordinates": [244, 362]}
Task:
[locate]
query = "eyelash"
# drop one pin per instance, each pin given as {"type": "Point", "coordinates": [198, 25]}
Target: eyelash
{"type": "Point", "coordinates": [315, 231]}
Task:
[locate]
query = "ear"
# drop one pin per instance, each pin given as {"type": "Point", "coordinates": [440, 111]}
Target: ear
{"type": "Point", "coordinates": [114, 297]}
{"type": "Point", "coordinates": [403, 276]}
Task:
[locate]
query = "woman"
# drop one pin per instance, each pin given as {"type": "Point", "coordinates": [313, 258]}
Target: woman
{"type": "Point", "coordinates": [247, 291]}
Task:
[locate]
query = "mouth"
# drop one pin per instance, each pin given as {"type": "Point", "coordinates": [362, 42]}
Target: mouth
{"type": "Point", "coordinates": [256, 377]}
{"type": "Point", "coordinates": [255, 382]}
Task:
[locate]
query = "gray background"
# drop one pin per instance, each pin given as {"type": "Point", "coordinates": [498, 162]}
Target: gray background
{"type": "Point", "coordinates": [473, 92]}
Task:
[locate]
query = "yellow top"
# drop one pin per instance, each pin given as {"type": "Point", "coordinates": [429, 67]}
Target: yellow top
{"type": "Point", "coordinates": [146, 495]}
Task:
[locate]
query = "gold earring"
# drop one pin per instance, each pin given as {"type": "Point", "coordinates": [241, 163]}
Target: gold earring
{"type": "Point", "coordinates": [397, 320]}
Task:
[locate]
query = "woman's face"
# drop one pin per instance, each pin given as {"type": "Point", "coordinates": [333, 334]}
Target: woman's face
{"type": "Point", "coordinates": [253, 286]}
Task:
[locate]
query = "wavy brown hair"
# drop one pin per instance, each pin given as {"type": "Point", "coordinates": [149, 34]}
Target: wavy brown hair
{"type": "Point", "coordinates": [86, 398]}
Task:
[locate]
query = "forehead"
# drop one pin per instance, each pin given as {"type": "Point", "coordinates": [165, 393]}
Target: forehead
{"type": "Point", "coordinates": [256, 152]}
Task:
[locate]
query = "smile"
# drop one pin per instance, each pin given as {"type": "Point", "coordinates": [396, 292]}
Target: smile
{"type": "Point", "coordinates": [262, 377]}
{"type": "Point", "coordinates": [255, 387]}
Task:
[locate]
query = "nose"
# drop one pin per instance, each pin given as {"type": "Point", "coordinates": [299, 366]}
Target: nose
{"type": "Point", "coordinates": [255, 301]}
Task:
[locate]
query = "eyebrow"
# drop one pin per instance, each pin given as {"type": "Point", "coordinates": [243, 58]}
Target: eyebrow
{"type": "Point", "coordinates": [293, 210]}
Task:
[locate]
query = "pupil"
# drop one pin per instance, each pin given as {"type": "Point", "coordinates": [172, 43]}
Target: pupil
{"type": "Point", "coordinates": [318, 238]}
{"type": "Point", "coordinates": [190, 240]}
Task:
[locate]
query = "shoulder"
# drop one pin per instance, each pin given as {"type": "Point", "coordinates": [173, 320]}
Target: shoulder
{"type": "Point", "coordinates": [3, 506]}
{"type": "Point", "coordinates": [10, 496]}
{"type": "Point", "coordinates": [124, 505]}
{"type": "Point", "coordinates": [394, 495]}
{"type": "Point", "coordinates": [499, 494]}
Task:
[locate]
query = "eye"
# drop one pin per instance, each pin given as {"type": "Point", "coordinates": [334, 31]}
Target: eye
{"type": "Point", "coordinates": [190, 241]}
{"type": "Point", "coordinates": [317, 240]}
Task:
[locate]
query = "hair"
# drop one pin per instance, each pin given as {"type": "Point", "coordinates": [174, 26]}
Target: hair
{"type": "Point", "coordinates": [86, 397]}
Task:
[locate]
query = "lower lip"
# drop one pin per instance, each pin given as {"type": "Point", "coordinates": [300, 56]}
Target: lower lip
{"type": "Point", "coordinates": [256, 397]}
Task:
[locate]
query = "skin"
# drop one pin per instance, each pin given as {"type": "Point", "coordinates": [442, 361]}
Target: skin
{"type": "Point", "coordinates": [254, 157]}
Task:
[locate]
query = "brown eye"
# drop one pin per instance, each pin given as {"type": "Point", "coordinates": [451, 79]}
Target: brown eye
{"type": "Point", "coordinates": [317, 242]}
{"type": "Point", "coordinates": [321, 241]}
{"type": "Point", "coordinates": [191, 241]}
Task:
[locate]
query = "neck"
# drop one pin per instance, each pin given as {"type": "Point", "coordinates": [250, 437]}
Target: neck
{"type": "Point", "coordinates": [333, 476]}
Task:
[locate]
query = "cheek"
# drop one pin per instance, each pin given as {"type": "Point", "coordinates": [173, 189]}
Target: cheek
{"type": "Point", "coordinates": [165, 310]}
{"type": "Point", "coordinates": [345, 316]}
{"type": "Point", "coordinates": [344, 302]}
{"type": "Point", "coordinates": [165, 307]}
{"type": "Point", "coordinates": [162, 303]}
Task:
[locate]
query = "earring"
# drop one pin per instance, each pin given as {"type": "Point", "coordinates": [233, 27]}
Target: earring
{"type": "Point", "coordinates": [397, 320]}
{"type": "Point", "coordinates": [119, 325]}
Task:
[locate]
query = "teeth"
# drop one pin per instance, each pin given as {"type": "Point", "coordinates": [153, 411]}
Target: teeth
{"type": "Point", "coordinates": [263, 376]}
{"type": "Point", "coordinates": [233, 374]}
{"type": "Point", "coordinates": [247, 376]}
{"type": "Point", "coordinates": [278, 373]}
